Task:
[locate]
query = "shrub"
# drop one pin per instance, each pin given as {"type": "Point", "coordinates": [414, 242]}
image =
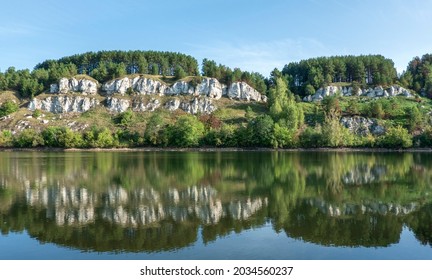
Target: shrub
{"type": "Point", "coordinates": [8, 107]}
{"type": "Point", "coordinates": [396, 137]}
{"type": "Point", "coordinates": [187, 131]}
{"type": "Point", "coordinates": [28, 138]}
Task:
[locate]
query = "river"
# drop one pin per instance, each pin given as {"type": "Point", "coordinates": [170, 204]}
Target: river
{"type": "Point", "coordinates": [215, 205]}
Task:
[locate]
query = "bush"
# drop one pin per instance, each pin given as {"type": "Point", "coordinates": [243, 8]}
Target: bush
{"type": "Point", "coordinates": [28, 138]}
{"type": "Point", "coordinates": [311, 137]}
{"type": "Point", "coordinates": [126, 118]}
{"type": "Point", "coordinates": [6, 139]}
{"type": "Point", "coordinates": [61, 137]}
{"type": "Point", "coordinates": [186, 132]}
{"type": "Point", "coordinates": [396, 137]}
{"type": "Point", "coordinates": [36, 113]}
{"type": "Point", "coordinates": [156, 132]}
{"type": "Point", "coordinates": [8, 107]}
{"type": "Point", "coordinates": [260, 131]}
{"type": "Point", "coordinates": [100, 138]}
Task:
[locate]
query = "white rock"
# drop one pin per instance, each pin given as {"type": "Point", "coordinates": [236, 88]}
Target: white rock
{"type": "Point", "coordinates": [66, 85]}
{"type": "Point", "coordinates": [117, 105]}
{"type": "Point", "coordinates": [63, 104]}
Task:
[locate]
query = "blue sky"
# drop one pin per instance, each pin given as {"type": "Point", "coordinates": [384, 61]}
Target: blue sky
{"type": "Point", "coordinates": [253, 35]}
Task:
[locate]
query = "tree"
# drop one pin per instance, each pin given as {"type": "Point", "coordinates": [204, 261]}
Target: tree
{"type": "Point", "coordinates": [179, 73]}
{"type": "Point", "coordinates": [414, 118]}
{"type": "Point", "coordinates": [310, 90]}
{"type": "Point", "coordinates": [155, 131]}
{"type": "Point", "coordinates": [187, 131]}
{"type": "Point", "coordinates": [260, 131]}
{"type": "Point", "coordinates": [396, 137]}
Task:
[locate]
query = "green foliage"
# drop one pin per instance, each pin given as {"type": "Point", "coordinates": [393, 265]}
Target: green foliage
{"type": "Point", "coordinates": [155, 132]}
{"type": "Point", "coordinates": [331, 106]}
{"type": "Point", "coordinates": [283, 137]}
{"type": "Point", "coordinates": [61, 137]}
{"type": "Point", "coordinates": [6, 138]}
{"type": "Point", "coordinates": [28, 138]}
{"type": "Point", "coordinates": [8, 107]}
{"type": "Point", "coordinates": [309, 90]}
{"type": "Point", "coordinates": [395, 137]}
{"type": "Point", "coordinates": [414, 118]}
{"type": "Point", "coordinates": [419, 75]}
{"type": "Point", "coordinates": [353, 106]}
{"type": "Point", "coordinates": [126, 118]}
{"type": "Point", "coordinates": [36, 113]}
{"type": "Point", "coordinates": [226, 75]}
{"type": "Point", "coordinates": [179, 73]}
{"type": "Point", "coordinates": [311, 137]}
{"type": "Point", "coordinates": [187, 131]}
{"type": "Point", "coordinates": [334, 134]}
{"type": "Point", "coordinates": [321, 71]}
{"type": "Point", "coordinates": [105, 65]}
{"type": "Point", "coordinates": [99, 138]}
{"type": "Point", "coordinates": [283, 108]}
{"type": "Point", "coordinates": [260, 131]}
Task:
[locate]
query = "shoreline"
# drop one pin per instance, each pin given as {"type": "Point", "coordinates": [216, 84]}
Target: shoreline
{"type": "Point", "coordinates": [215, 149]}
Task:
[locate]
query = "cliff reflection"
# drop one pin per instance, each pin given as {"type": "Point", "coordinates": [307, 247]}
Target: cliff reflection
{"type": "Point", "coordinates": [152, 201]}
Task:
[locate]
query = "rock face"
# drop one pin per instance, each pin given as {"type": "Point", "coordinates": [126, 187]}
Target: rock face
{"type": "Point", "coordinates": [84, 86]}
{"type": "Point", "coordinates": [139, 85]}
{"type": "Point", "coordinates": [201, 94]}
{"type": "Point", "coordinates": [119, 105]}
{"type": "Point", "coordinates": [196, 105]}
{"type": "Point", "coordinates": [209, 87]}
{"type": "Point", "coordinates": [242, 91]}
{"type": "Point", "coordinates": [376, 92]}
{"type": "Point", "coordinates": [63, 104]}
{"type": "Point", "coordinates": [362, 126]}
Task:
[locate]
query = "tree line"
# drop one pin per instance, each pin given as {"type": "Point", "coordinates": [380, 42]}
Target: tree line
{"type": "Point", "coordinates": [303, 77]}
{"type": "Point", "coordinates": [308, 75]}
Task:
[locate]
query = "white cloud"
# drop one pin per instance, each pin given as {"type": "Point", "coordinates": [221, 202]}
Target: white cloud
{"type": "Point", "coordinates": [260, 57]}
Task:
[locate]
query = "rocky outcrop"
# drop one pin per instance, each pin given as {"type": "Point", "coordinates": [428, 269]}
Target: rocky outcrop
{"type": "Point", "coordinates": [376, 92]}
{"type": "Point", "coordinates": [82, 85]}
{"type": "Point", "coordinates": [120, 105]}
{"type": "Point", "coordinates": [362, 126]}
{"type": "Point", "coordinates": [117, 105]}
{"type": "Point", "coordinates": [242, 91]}
{"type": "Point", "coordinates": [63, 104]}
{"type": "Point", "coordinates": [195, 106]}
{"type": "Point", "coordinates": [209, 87]}
{"type": "Point", "coordinates": [138, 84]}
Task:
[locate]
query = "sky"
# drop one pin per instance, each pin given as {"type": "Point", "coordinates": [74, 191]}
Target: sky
{"type": "Point", "coordinates": [250, 34]}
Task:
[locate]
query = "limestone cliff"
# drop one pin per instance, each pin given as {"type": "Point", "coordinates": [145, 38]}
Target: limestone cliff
{"type": "Point", "coordinates": [80, 85]}
{"type": "Point", "coordinates": [376, 92]}
{"type": "Point", "coordinates": [63, 104]}
{"type": "Point", "coordinates": [200, 101]}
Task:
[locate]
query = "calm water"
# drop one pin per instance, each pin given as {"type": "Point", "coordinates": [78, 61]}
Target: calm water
{"type": "Point", "coordinates": [215, 205]}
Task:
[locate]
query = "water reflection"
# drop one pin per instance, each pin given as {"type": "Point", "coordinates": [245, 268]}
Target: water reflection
{"type": "Point", "coordinates": [156, 201]}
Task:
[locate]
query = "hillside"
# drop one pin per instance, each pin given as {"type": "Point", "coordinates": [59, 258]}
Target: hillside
{"type": "Point", "coordinates": [109, 99]}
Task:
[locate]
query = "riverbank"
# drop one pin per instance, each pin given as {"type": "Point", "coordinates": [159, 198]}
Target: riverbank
{"type": "Point", "coordinates": [214, 149]}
